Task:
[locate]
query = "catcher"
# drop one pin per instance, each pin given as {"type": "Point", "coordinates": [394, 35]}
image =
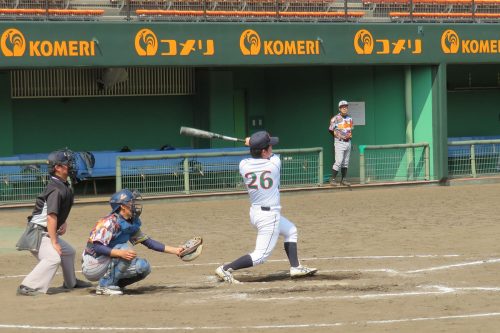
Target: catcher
{"type": "Point", "coordinates": [108, 257]}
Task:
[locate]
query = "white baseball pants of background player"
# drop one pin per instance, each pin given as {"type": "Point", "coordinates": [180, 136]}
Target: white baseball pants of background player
{"type": "Point", "coordinates": [270, 225]}
{"type": "Point", "coordinates": [342, 154]}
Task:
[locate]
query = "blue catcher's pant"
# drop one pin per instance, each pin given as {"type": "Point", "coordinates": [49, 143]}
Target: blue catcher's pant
{"type": "Point", "coordinates": [115, 271]}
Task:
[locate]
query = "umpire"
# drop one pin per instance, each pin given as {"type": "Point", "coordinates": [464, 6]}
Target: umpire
{"type": "Point", "coordinates": [51, 211]}
{"type": "Point", "coordinates": [341, 127]}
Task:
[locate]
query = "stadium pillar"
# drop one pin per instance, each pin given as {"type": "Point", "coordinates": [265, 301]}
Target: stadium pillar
{"type": "Point", "coordinates": [423, 108]}
{"type": "Point", "coordinates": [6, 118]}
{"type": "Point", "coordinates": [440, 131]}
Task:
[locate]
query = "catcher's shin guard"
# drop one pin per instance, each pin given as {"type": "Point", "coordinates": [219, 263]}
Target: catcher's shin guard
{"type": "Point", "coordinates": [128, 281]}
{"type": "Point", "coordinates": [137, 272]}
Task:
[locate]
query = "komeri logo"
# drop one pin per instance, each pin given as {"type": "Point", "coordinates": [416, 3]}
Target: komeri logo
{"type": "Point", "coordinates": [250, 42]}
{"type": "Point", "coordinates": [13, 43]}
{"type": "Point", "coordinates": [146, 43]}
{"type": "Point", "coordinates": [364, 43]}
{"type": "Point", "coordinates": [251, 45]}
{"type": "Point", "coordinates": [450, 41]}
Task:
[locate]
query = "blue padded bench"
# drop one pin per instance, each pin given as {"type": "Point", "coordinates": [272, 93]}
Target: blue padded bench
{"type": "Point", "coordinates": [21, 173]}
{"type": "Point", "coordinates": [481, 149]}
{"type": "Point", "coordinates": [105, 162]}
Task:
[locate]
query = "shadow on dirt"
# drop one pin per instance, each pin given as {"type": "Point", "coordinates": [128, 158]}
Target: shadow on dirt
{"type": "Point", "coordinates": [149, 290]}
{"type": "Point", "coordinates": [284, 276]}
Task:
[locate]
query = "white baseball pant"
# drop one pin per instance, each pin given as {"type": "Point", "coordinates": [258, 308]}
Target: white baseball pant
{"type": "Point", "coordinates": [342, 154]}
{"type": "Point", "coordinates": [270, 225]}
{"type": "Point", "coordinates": [48, 263]}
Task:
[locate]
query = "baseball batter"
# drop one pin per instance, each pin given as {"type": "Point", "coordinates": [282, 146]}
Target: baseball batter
{"type": "Point", "coordinates": [261, 174]}
{"type": "Point", "coordinates": [341, 127]}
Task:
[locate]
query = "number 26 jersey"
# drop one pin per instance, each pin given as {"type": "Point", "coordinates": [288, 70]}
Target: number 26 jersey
{"type": "Point", "coordinates": [262, 179]}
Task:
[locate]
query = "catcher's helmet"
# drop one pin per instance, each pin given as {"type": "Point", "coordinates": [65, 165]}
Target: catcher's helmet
{"type": "Point", "coordinates": [63, 157]}
{"type": "Point", "coordinates": [126, 197]}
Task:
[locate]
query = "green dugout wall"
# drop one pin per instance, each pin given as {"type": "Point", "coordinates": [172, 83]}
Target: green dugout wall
{"type": "Point", "coordinates": [285, 78]}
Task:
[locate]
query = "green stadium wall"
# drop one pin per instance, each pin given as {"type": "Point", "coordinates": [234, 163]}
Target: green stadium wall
{"type": "Point", "coordinates": [292, 95]}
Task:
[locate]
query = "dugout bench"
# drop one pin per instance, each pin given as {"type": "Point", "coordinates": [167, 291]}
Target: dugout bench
{"type": "Point", "coordinates": [473, 155]}
{"type": "Point", "coordinates": [93, 166]}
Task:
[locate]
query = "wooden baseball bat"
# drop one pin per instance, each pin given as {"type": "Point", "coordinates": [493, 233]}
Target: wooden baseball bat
{"type": "Point", "coordinates": [198, 133]}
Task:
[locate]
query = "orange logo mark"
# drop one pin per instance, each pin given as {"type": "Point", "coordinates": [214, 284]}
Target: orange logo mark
{"type": "Point", "coordinates": [363, 42]}
{"type": "Point", "coordinates": [13, 43]}
{"type": "Point", "coordinates": [250, 42]}
{"type": "Point", "coordinates": [146, 43]}
{"type": "Point", "coordinates": [450, 41]}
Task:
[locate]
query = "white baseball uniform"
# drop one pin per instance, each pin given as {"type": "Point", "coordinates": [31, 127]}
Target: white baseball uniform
{"type": "Point", "coordinates": [262, 178]}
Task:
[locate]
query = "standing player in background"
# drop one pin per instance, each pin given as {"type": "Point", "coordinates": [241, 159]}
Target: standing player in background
{"type": "Point", "coordinates": [261, 174]}
{"type": "Point", "coordinates": [51, 211]}
{"type": "Point", "coordinates": [341, 127]}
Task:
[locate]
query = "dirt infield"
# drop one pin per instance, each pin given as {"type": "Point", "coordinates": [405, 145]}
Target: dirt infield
{"type": "Point", "coordinates": [410, 259]}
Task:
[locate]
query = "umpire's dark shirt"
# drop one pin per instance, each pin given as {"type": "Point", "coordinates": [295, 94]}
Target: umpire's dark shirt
{"type": "Point", "coordinates": [58, 198]}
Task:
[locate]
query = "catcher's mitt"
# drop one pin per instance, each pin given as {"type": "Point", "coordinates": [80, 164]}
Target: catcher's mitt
{"type": "Point", "coordinates": [192, 249]}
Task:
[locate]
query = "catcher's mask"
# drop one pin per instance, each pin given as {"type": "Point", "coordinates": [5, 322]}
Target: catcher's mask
{"type": "Point", "coordinates": [132, 199]}
{"type": "Point", "coordinates": [63, 157]}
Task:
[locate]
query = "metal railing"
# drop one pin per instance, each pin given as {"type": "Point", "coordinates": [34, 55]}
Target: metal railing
{"type": "Point", "coordinates": [22, 181]}
{"type": "Point", "coordinates": [473, 158]}
{"type": "Point", "coordinates": [394, 163]}
{"type": "Point", "coordinates": [211, 172]}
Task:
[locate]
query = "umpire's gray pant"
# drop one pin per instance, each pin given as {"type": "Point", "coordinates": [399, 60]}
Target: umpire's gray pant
{"type": "Point", "coordinates": [48, 263]}
{"type": "Point", "coordinates": [342, 154]}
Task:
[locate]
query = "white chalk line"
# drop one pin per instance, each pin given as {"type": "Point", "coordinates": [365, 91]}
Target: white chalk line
{"type": "Point", "coordinates": [440, 290]}
{"type": "Point", "coordinates": [471, 263]}
{"type": "Point", "coordinates": [388, 270]}
{"type": "Point", "coordinates": [254, 327]}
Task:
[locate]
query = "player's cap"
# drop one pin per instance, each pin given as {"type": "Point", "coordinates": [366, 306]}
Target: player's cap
{"type": "Point", "coordinates": [262, 139]}
{"type": "Point", "coordinates": [342, 103]}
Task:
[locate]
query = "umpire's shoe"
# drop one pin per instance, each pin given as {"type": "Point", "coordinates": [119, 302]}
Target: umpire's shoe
{"type": "Point", "coordinates": [225, 276]}
{"type": "Point", "coordinates": [301, 271]}
{"type": "Point", "coordinates": [79, 284]}
{"type": "Point", "coordinates": [108, 290]}
{"type": "Point", "coordinates": [27, 291]}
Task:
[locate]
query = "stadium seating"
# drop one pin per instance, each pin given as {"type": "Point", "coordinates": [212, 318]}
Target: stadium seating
{"type": "Point", "coordinates": [434, 10]}
{"type": "Point", "coordinates": [442, 16]}
{"type": "Point", "coordinates": [158, 14]}
{"type": "Point", "coordinates": [257, 10]}
{"type": "Point", "coordinates": [35, 13]}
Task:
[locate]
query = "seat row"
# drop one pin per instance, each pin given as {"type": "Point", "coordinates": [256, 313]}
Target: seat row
{"type": "Point", "coordinates": [432, 2]}
{"type": "Point", "coordinates": [222, 13]}
{"type": "Point", "coordinates": [34, 12]}
{"type": "Point", "coordinates": [439, 15]}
